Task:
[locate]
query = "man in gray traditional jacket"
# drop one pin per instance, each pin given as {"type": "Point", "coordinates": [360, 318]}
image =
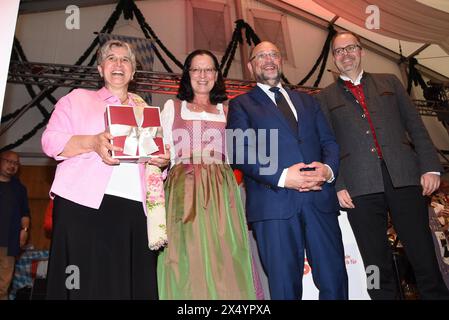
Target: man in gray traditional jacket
{"type": "Point", "coordinates": [388, 164]}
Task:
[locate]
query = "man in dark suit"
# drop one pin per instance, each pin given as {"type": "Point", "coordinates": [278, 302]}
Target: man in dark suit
{"type": "Point", "coordinates": [291, 201]}
{"type": "Point", "coordinates": [388, 164]}
{"type": "Point", "coordinates": [14, 218]}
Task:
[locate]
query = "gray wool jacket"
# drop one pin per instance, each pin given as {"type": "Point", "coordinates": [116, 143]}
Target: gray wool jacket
{"type": "Point", "coordinates": [405, 143]}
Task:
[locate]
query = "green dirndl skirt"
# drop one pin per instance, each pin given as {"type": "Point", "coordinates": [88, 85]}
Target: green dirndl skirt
{"type": "Point", "coordinates": [208, 254]}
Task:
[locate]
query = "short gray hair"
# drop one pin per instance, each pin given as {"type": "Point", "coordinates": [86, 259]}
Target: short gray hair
{"type": "Point", "coordinates": [104, 50]}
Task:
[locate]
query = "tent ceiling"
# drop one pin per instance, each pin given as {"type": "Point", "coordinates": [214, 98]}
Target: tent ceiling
{"type": "Point", "coordinates": [32, 6]}
{"type": "Point", "coordinates": [433, 57]}
{"type": "Point", "coordinates": [442, 5]}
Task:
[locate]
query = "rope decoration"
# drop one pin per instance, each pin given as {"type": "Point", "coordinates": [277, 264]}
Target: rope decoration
{"type": "Point", "coordinates": [129, 10]}
{"type": "Point", "coordinates": [19, 53]}
{"type": "Point", "coordinates": [414, 76]}
{"type": "Point", "coordinates": [26, 136]}
{"type": "Point", "coordinates": [144, 25]}
{"type": "Point", "coordinates": [321, 59]}
{"type": "Point", "coordinates": [251, 38]}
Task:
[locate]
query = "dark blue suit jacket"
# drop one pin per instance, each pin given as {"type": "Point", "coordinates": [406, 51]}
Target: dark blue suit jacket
{"type": "Point", "coordinates": [313, 141]}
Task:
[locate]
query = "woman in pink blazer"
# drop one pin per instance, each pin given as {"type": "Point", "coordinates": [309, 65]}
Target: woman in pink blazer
{"type": "Point", "coordinates": [99, 243]}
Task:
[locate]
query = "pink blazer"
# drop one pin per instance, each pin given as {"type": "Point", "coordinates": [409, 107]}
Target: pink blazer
{"type": "Point", "coordinates": [83, 178]}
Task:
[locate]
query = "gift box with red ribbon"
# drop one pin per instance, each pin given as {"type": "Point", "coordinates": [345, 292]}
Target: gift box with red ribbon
{"type": "Point", "coordinates": [136, 129]}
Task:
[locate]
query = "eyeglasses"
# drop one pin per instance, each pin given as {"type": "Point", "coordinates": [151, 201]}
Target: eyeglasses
{"type": "Point", "coordinates": [263, 55]}
{"type": "Point", "coordinates": [197, 71]}
{"type": "Point", "coordinates": [348, 49]}
{"type": "Point", "coordinates": [14, 163]}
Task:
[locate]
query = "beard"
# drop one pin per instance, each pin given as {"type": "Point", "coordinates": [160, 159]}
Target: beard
{"type": "Point", "coordinates": [262, 77]}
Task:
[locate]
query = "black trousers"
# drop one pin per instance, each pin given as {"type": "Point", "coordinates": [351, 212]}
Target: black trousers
{"type": "Point", "coordinates": [106, 250]}
{"type": "Point", "coordinates": [409, 213]}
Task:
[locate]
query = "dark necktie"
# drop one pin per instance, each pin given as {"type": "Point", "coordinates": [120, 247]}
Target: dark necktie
{"type": "Point", "coordinates": [284, 108]}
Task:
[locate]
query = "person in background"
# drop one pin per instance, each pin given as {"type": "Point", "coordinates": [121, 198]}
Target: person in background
{"type": "Point", "coordinates": [388, 165]}
{"type": "Point", "coordinates": [99, 236]}
{"type": "Point", "coordinates": [208, 254]}
{"type": "Point", "coordinates": [14, 218]}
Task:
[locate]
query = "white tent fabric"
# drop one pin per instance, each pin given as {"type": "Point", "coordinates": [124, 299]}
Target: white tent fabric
{"type": "Point", "coordinates": [400, 19]}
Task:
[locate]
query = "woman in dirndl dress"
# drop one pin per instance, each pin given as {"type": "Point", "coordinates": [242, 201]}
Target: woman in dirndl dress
{"type": "Point", "coordinates": [208, 254]}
